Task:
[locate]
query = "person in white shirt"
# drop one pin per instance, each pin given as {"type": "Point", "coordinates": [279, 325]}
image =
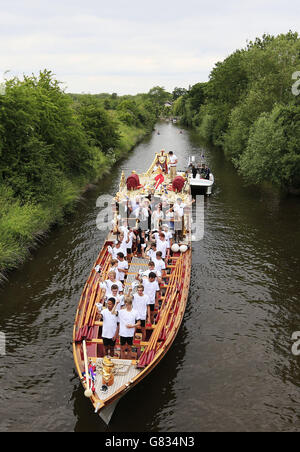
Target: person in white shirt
{"type": "Point", "coordinates": [131, 239]}
{"type": "Point", "coordinates": [160, 263]}
{"type": "Point", "coordinates": [173, 165]}
{"type": "Point", "coordinates": [157, 217]}
{"type": "Point", "coordinates": [111, 281]}
{"type": "Point", "coordinates": [179, 207]}
{"type": "Point", "coordinates": [141, 303]}
{"type": "Point", "coordinates": [114, 267]}
{"type": "Point", "coordinates": [110, 329]}
{"type": "Point", "coordinates": [122, 266]}
{"type": "Point", "coordinates": [151, 269]}
{"type": "Point", "coordinates": [118, 248]}
{"type": "Point", "coordinates": [168, 234]}
{"type": "Point", "coordinates": [151, 253]}
{"type": "Point", "coordinates": [129, 320]}
{"type": "Point", "coordinates": [119, 299]}
{"type": "Point", "coordinates": [162, 244]}
{"type": "Point", "coordinates": [124, 229]}
{"type": "Point", "coordinates": [152, 289]}
{"type": "Point", "coordinates": [123, 244]}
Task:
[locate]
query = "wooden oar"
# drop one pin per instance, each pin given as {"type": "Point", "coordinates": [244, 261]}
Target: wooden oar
{"type": "Point", "coordinates": [88, 392]}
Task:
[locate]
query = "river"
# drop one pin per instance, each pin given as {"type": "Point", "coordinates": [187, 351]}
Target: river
{"type": "Point", "coordinates": [231, 367]}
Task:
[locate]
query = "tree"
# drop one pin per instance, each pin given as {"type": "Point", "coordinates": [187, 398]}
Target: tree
{"type": "Point", "coordinates": [178, 92]}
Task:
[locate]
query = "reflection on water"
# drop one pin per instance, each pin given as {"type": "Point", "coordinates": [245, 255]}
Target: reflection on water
{"type": "Point", "coordinates": [231, 367]}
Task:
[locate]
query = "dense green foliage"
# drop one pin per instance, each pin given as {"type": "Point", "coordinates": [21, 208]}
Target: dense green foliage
{"type": "Point", "coordinates": [248, 109]}
{"type": "Point", "coordinates": [51, 145]}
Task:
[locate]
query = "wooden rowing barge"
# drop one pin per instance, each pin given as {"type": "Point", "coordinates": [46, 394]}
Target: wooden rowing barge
{"type": "Point", "coordinates": [87, 335]}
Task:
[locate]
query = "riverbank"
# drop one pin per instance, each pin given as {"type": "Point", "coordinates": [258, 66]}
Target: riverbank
{"type": "Point", "coordinates": [23, 227]}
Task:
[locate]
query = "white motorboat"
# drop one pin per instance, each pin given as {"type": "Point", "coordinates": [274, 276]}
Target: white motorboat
{"type": "Point", "coordinates": [200, 176]}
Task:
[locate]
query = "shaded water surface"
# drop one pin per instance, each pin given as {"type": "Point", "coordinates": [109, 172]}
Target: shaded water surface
{"type": "Point", "coordinates": [231, 367]}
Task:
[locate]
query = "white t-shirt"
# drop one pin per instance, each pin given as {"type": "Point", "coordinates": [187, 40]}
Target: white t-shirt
{"type": "Point", "coordinates": [150, 289]}
{"type": "Point", "coordinates": [107, 285]}
{"type": "Point", "coordinates": [162, 246]}
{"type": "Point", "coordinates": [121, 249]}
{"type": "Point", "coordinates": [122, 266]}
{"type": "Point", "coordinates": [125, 231]}
{"type": "Point", "coordinates": [173, 159]}
{"type": "Point", "coordinates": [131, 237]}
{"type": "Point", "coordinates": [115, 269]}
{"type": "Point", "coordinates": [110, 324]}
{"type": "Point", "coordinates": [140, 305]}
{"type": "Point", "coordinates": [121, 299]}
{"type": "Point", "coordinates": [159, 264]}
{"type": "Point", "coordinates": [128, 318]}
{"type": "Point", "coordinates": [152, 254]}
{"type": "Point", "coordinates": [179, 209]}
{"type": "Point", "coordinates": [168, 236]}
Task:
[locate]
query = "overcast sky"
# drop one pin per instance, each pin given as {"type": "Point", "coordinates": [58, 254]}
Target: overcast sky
{"type": "Point", "coordinates": [130, 46]}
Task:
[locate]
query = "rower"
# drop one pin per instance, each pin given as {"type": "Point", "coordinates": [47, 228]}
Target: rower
{"type": "Point", "coordinates": [141, 303]}
{"type": "Point", "coordinates": [159, 263]}
{"type": "Point", "coordinates": [110, 282]}
{"type": "Point", "coordinates": [110, 328]}
{"type": "Point", "coordinates": [152, 289]}
{"type": "Point", "coordinates": [129, 320]}
{"type": "Point", "coordinates": [122, 266]}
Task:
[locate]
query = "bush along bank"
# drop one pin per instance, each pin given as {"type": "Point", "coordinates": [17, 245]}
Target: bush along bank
{"type": "Point", "coordinates": [52, 145]}
{"type": "Point", "coordinates": [251, 108]}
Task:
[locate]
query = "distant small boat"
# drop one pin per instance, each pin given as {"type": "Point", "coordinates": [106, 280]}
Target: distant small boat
{"type": "Point", "coordinates": [200, 176]}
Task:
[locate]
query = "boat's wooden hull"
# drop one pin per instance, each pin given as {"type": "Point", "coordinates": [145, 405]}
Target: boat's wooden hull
{"type": "Point", "coordinates": [109, 405]}
{"type": "Point", "coordinates": [87, 330]}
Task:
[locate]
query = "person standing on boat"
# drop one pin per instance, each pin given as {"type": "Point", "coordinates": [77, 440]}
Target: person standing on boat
{"type": "Point", "coordinates": [130, 242]}
{"type": "Point", "coordinates": [157, 217]}
{"type": "Point", "coordinates": [151, 269]}
{"type": "Point", "coordinates": [141, 303]}
{"type": "Point", "coordinates": [170, 216]}
{"type": "Point", "coordinates": [179, 216]}
{"type": "Point", "coordinates": [207, 169]}
{"type": "Point", "coordinates": [159, 263]}
{"type": "Point", "coordinates": [141, 242]}
{"type": "Point", "coordinates": [129, 320]}
{"type": "Point", "coordinates": [119, 299]}
{"type": "Point", "coordinates": [122, 267]}
{"type": "Point", "coordinates": [114, 267]}
{"type": "Point", "coordinates": [152, 289]}
{"type": "Point", "coordinates": [173, 165]}
{"type": "Point", "coordinates": [168, 234]}
{"type": "Point", "coordinates": [111, 281]}
{"type": "Point", "coordinates": [110, 328]}
{"type": "Point", "coordinates": [162, 244]}
{"type": "Point", "coordinates": [151, 252]}
{"type": "Point", "coordinates": [119, 247]}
